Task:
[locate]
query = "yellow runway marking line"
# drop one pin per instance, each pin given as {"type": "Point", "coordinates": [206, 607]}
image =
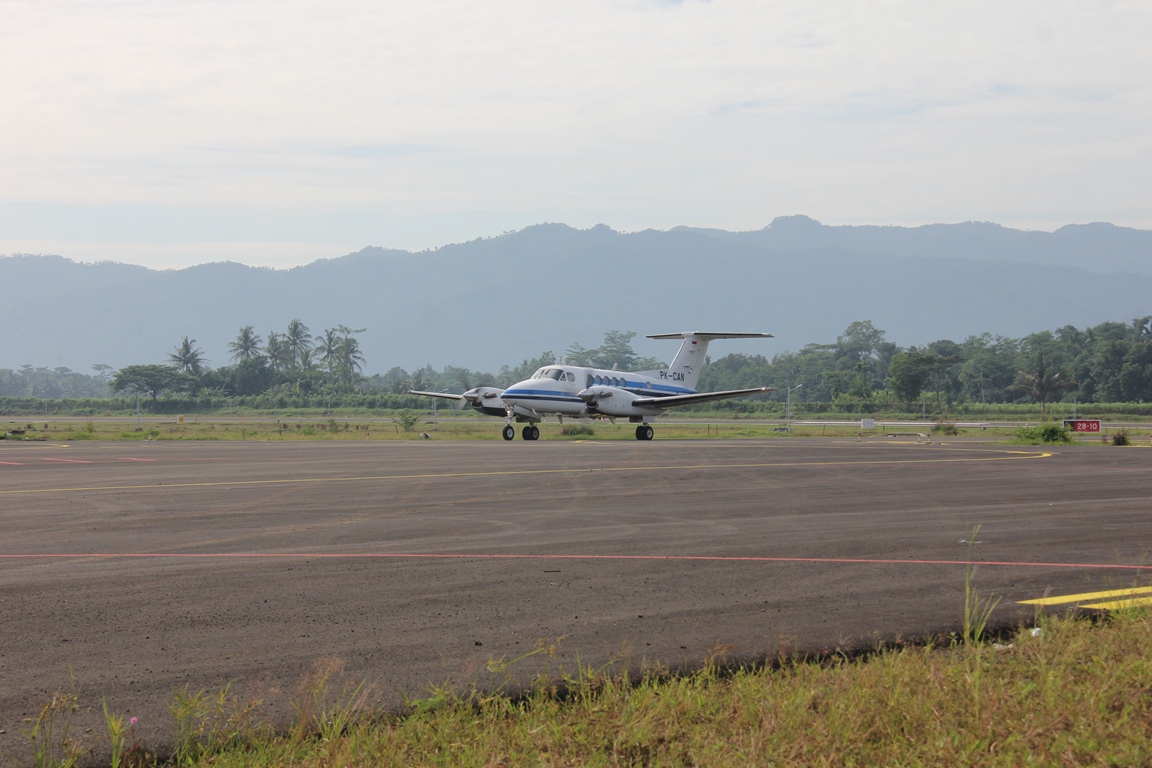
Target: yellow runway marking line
{"type": "Point", "coordinates": [1086, 599]}
{"type": "Point", "coordinates": [1117, 605]}
{"type": "Point", "coordinates": [1013, 456]}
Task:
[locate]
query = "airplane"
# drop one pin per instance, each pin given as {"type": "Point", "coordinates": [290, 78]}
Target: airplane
{"type": "Point", "coordinates": [580, 392]}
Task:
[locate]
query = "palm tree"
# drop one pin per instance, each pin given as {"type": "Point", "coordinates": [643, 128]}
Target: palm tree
{"type": "Point", "coordinates": [276, 350]}
{"type": "Point", "coordinates": [246, 346]}
{"type": "Point", "coordinates": [307, 361]}
{"type": "Point", "coordinates": [420, 379]}
{"type": "Point", "coordinates": [1042, 380]}
{"type": "Point", "coordinates": [351, 358]}
{"type": "Point", "coordinates": [340, 351]}
{"type": "Point", "coordinates": [298, 341]}
{"type": "Point", "coordinates": [329, 349]}
{"type": "Point", "coordinates": [187, 358]}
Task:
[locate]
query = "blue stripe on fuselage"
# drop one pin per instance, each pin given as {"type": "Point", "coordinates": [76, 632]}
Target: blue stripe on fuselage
{"type": "Point", "coordinates": [548, 394]}
{"type": "Point", "coordinates": [539, 394]}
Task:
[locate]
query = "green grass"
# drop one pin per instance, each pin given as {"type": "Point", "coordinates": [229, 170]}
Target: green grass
{"type": "Point", "coordinates": [1078, 692]}
{"type": "Point", "coordinates": [451, 427]}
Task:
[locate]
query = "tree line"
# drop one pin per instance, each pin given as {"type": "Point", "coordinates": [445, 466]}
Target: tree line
{"type": "Point", "coordinates": [860, 372]}
{"type": "Point", "coordinates": [293, 361]}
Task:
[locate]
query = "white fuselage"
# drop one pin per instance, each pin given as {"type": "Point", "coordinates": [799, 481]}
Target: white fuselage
{"type": "Point", "coordinates": [580, 392]}
{"type": "Point", "coordinates": [556, 389]}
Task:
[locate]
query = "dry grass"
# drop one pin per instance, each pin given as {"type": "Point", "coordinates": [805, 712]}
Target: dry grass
{"type": "Point", "coordinates": [1077, 694]}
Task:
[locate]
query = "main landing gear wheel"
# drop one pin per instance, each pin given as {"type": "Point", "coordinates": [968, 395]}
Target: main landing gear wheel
{"type": "Point", "coordinates": [531, 432]}
{"type": "Point", "coordinates": [644, 432]}
{"type": "Point", "coordinates": [509, 432]}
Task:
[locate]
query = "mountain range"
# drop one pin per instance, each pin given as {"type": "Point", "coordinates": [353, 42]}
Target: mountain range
{"type": "Point", "coordinates": [500, 300]}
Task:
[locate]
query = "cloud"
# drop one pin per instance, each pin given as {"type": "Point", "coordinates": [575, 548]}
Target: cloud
{"type": "Point", "coordinates": [633, 113]}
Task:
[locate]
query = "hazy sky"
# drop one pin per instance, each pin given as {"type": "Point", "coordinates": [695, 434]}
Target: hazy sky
{"type": "Point", "coordinates": [275, 133]}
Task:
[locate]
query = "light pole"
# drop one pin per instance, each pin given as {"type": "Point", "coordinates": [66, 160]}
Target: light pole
{"type": "Point", "coordinates": [138, 393]}
{"type": "Point", "coordinates": [435, 421]}
{"type": "Point", "coordinates": [788, 408]}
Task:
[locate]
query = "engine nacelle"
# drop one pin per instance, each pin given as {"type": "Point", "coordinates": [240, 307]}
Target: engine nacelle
{"type": "Point", "coordinates": [611, 401]}
{"type": "Point", "coordinates": [486, 400]}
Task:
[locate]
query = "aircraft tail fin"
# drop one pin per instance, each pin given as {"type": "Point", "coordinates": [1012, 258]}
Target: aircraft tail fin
{"type": "Point", "coordinates": [685, 367]}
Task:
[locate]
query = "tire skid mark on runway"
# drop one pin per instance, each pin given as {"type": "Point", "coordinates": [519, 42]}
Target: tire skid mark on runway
{"type": "Point", "coordinates": [553, 557]}
{"type": "Point", "coordinates": [1010, 456]}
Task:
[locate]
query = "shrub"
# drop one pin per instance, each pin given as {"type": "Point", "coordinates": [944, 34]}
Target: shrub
{"type": "Point", "coordinates": [1044, 433]}
{"type": "Point", "coordinates": [576, 430]}
{"type": "Point", "coordinates": [407, 420]}
{"type": "Point", "coordinates": [1120, 437]}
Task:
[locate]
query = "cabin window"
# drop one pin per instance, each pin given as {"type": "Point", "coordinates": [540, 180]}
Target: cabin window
{"type": "Point", "coordinates": [590, 379]}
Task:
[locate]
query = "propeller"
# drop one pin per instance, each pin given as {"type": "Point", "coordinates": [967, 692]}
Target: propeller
{"type": "Point", "coordinates": [479, 394]}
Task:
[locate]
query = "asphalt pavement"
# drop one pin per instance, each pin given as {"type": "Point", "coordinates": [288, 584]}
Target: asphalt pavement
{"type": "Point", "coordinates": [137, 569]}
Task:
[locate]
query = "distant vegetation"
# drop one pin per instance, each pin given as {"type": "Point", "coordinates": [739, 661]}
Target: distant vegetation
{"type": "Point", "coordinates": [860, 372]}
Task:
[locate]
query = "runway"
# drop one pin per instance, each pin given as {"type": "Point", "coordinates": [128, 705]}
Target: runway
{"type": "Point", "coordinates": [144, 567]}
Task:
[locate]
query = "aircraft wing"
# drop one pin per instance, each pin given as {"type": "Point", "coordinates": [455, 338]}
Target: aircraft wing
{"type": "Point", "coordinates": [445, 395]}
{"type": "Point", "coordinates": [486, 400]}
{"type": "Point", "coordinates": [671, 401]}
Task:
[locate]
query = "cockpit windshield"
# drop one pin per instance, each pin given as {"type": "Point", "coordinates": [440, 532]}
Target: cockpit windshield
{"type": "Point", "coordinates": [549, 373]}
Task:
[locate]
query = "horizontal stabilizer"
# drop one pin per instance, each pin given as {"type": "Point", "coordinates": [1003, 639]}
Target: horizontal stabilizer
{"type": "Point", "coordinates": [695, 398]}
{"type": "Point", "coordinates": [710, 336]}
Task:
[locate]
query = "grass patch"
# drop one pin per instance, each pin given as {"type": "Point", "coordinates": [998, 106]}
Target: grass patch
{"type": "Point", "coordinates": [458, 426]}
{"type": "Point", "coordinates": [1076, 692]}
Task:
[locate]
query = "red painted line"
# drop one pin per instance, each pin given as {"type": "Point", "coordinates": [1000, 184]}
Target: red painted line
{"type": "Point", "coordinates": [450, 556]}
{"type": "Point", "coordinates": [12, 463]}
{"type": "Point", "coordinates": [67, 461]}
